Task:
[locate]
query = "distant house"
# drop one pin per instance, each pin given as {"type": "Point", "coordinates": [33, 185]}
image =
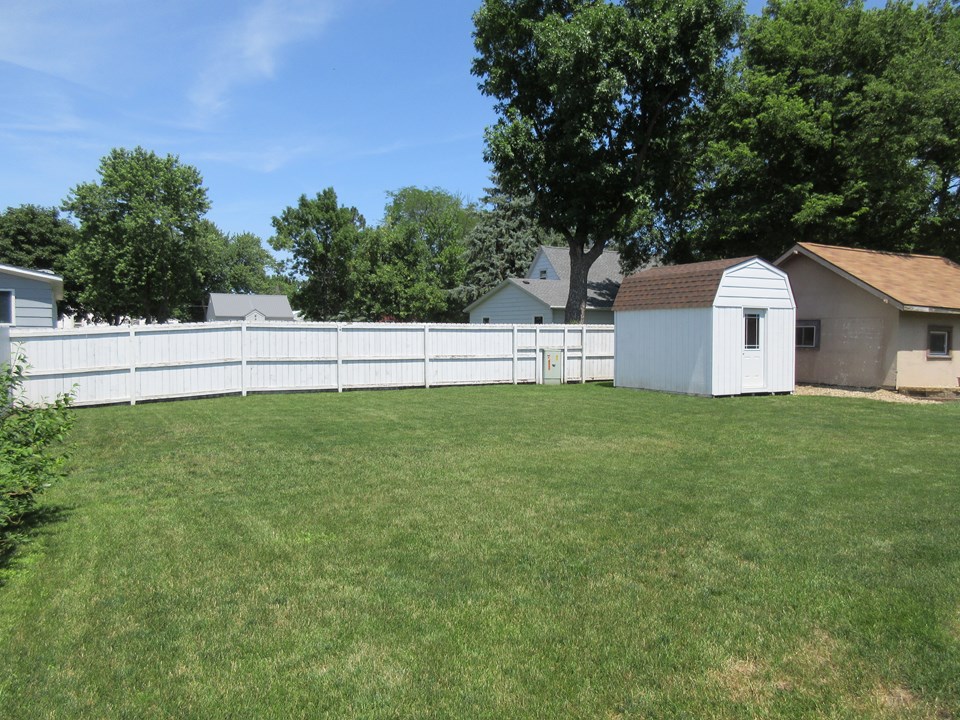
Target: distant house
{"type": "Point", "coordinates": [541, 296]}
{"type": "Point", "coordinates": [874, 319]}
{"type": "Point", "coordinates": [723, 327]}
{"type": "Point", "coordinates": [253, 308]}
{"type": "Point", "coordinates": [28, 298]}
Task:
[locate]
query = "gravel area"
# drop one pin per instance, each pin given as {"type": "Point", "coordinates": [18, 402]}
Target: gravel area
{"type": "Point", "coordinates": [869, 393]}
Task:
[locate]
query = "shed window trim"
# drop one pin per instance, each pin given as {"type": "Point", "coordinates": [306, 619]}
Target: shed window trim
{"type": "Point", "coordinates": [939, 342]}
{"type": "Point", "coordinates": [8, 315]}
{"type": "Point", "coordinates": [808, 335]}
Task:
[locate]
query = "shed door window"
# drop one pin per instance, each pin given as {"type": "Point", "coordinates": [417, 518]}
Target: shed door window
{"type": "Point", "coordinates": [6, 307]}
{"type": "Point", "coordinates": [751, 331]}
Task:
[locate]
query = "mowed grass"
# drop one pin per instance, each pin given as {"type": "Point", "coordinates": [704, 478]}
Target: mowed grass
{"type": "Point", "coordinates": [494, 552]}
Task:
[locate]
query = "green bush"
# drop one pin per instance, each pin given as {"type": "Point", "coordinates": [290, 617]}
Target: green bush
{"type": "Point", "coordinates": [31, 450]}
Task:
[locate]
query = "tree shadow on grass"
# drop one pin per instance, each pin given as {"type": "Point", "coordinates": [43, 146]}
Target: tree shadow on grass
{"type": "Point", "coordinates": [17, 547]}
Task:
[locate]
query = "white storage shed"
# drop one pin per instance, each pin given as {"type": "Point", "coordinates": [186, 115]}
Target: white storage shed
{"type": "Point", "coordinates": [722, 327]}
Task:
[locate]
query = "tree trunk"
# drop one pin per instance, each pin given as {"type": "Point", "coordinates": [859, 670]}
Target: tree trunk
{"type": "Point", "coordinates": [580, 264]}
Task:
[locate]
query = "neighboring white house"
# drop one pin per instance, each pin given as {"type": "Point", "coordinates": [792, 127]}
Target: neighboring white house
{"type": "Point", "coordinates": [28, 298]}
{"type": "Point", "coordinates": [253, 308]}
{"type": "Point", "coordinates": [723, 327]}
{"type": "Point", "coordinates": [541, 296]}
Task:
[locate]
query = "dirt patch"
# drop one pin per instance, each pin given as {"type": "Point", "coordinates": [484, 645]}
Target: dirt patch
{"type": "Point", "coordinates": [741, 679]}
{"type": "Point", "coordinates": [867, 393]}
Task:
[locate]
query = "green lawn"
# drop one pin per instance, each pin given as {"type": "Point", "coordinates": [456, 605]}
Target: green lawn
{"type": "Point", "coordinates": [494, 552]}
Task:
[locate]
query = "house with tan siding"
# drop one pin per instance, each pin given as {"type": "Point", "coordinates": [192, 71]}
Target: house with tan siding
{"type": "Point", "coordinates": [874, 319]}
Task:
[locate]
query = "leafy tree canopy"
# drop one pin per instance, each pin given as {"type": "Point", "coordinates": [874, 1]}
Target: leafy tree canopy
{"type": "Point", "coordinates": [839, 124]}
{"type": "Point", "coordinates": [590, 96]}
{"type": "Point", "coordinates": [141, 247]}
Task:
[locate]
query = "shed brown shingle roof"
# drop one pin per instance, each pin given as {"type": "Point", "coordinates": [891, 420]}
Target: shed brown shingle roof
{"type": "Point", "coordinates": [674, 286]}
{"type": "Point", "coordinates": [927, 281]}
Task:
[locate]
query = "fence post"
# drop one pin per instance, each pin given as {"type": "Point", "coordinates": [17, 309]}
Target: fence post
{"type": "Point", "coordinates": [539, 361]}
{"type": "Point", "coordinates": [339, 358]}
{"type": "Point", "coordinates": [243, 358]}
{"type": "Point", "coordinates": [514, 354]}
{"type": "Point", "coordinates": [583, 354]}
{"type": "Point", "coordinates": [426, 356]}
{"type": "Point", "coordinates": [133, 364]}
{"type": "Point", "coordinates": [565, 339]}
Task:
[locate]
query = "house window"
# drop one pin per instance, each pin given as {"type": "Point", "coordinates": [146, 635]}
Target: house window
{"type": "Point", "coordinates": [6, 307]}
{"type": "Point", "coordinates": [538, 319]}
{"type": "Point", "coordinates": [486, 321]}
{"type": "Point", "coordinates": [808, 334]}
{"type": "Point", "coordinates": [751, 331]}
{"type": "Point", "coordinates": [543, 274]}
{"type": "Point", "coordinates": [939, 341]}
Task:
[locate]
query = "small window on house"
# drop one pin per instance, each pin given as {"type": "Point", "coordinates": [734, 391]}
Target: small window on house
{"type": "Point", "coordinates": [751, 331]}
{"type": "Point", "coordinates": [543, 274]}
{"type": "Point", "coordinates": [6, 307]}
{"type": "Point", "coordinates": [538, 319]}
{"type": "Point", "coordinates": [939, 342]}
{"type": "Point", "coordinates": [486, 321]}
{"type": "Point", "coordinates": [808, 334]}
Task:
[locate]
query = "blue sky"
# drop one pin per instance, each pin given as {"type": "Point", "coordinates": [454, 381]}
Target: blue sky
{"type": "Point", "coordinates": [269, 99]}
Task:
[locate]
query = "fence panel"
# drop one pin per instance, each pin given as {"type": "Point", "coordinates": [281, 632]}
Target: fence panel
{"type": "Point", "coordinates": [132, 364]}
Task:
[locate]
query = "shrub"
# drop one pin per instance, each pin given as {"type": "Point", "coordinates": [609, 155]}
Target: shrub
{"type": "Point", "coordinates": [31, 450]}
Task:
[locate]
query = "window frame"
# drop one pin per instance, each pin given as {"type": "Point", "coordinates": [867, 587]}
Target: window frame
{"type": "Point", "coordinates": [749, 315]}
{"type": "Point", "coordinates": [485, 321]}
{"type": "Point", "coordinates": [815, 324]}
{"type": "Point", "coordinates": [945, 330]}
{"type": "Point", "coordinates": [538, 319]}
{"type": "Point", "coordinates": [13, 308]}
{"type": "Point", "coordinates": [543, 274]}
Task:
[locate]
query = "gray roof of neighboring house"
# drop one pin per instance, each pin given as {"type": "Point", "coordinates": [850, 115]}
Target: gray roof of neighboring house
{"type": "Point", "coordinates": [603, 281]}
{"type": "Point", "coordinates": [230, 306]}
{"type": "Point", "coordinates": [606, 267]}
{"type": "Point", "coordinates": [553, 293]}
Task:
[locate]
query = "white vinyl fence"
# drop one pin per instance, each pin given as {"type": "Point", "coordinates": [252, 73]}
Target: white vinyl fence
{"type": "Point", "coordinates": [134, 363]}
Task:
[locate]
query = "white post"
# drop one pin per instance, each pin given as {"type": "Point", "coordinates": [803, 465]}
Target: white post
{"type": "Point", "coordinates": [133, 364]}
{"type": "Point", "coordinates": [583, 354]}
{"type": "Point", "coordinates": [243, 358]}
{"type": "Point", "coordinates": [514, 354]}
{"type": "Point", "coordinates": [339, 358]}
{"type": "Point", "coordinates": [426, 356]}
{"type": "Point", "coordinates": [563, 377]}
{"type": "Point", "coordinates": [537, 371]}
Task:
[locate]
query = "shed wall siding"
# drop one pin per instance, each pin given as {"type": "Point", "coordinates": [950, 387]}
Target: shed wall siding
{"type": "Point", "coordinates": [755, 284]}
{"type": "Point", "coordinates": [510, 305]}
{"type": "Point", "coordinates": [664, 350]}
{"type": "Point", "coordinates": [34, 303]}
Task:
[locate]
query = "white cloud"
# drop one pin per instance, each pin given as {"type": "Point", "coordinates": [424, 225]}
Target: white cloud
{"type": "Point", "coordinates": [249, 47]}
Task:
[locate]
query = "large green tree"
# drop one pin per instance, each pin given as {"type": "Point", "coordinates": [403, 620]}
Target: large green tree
{"type": "Point", "coordinates": [322, 237]}
{"type": "Point", "coordinates": [502, 244]}
{"type": "Point", "coordinates": [839, 124]}
{"type": "Point", "coordinates": [590, 96]}
{"type": "Point", "coordinates": [38, 238]}
{"type": "Point", "coordinates": [142, 242]}
{"type": "Point", "coordinates": [424, 233]}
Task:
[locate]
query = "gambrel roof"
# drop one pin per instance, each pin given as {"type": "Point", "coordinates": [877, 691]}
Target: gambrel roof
{"type": "Point", "coordinates": [674, 286]}
{"type": "Point", "coordinates": [925, 283]}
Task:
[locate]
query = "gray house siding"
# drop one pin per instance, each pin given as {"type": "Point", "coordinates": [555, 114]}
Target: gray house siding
{"type": "Point", "coordinates": [542, 263]}
{"type": "Point", "coordinates": [34, 304]}
{"type": "Point", "coordinates": [510, 305]}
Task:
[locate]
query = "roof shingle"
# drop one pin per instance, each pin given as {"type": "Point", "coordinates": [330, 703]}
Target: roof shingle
{"type": "Point", "coordinates": [674, 286]}
{"type": "Point", "coordinates": [927, 281]}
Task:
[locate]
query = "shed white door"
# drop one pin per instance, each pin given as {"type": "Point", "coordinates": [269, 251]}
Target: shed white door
{"type": "Point", "coordinates": [754, 349]}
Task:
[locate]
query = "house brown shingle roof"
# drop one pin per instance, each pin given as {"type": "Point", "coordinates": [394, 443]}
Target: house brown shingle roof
{"type": "Point", "coordinates": [674, 286]}
{"type": "Point", "coordinates": [926, 281]}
